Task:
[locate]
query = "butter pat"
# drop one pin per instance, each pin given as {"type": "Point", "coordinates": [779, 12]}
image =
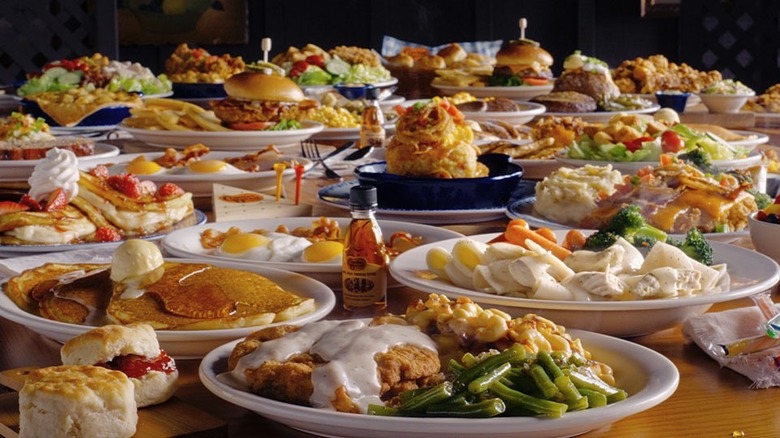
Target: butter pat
{"type": "Point", "coordinates": [232, 203]}
{"type": "Point", "coordinates": [135, 258]}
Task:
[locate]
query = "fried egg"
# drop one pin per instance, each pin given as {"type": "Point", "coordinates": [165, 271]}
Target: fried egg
{"type": "Point", "coordinates": [271, 247]}
{"type": "Point", "coordinates": [326, 251]}
{"type": "Point", "coordinates": [210, 167]}
{"type": "Point", "coordinates": [142, 166]}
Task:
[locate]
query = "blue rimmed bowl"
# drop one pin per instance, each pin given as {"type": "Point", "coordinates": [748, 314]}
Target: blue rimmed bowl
{"type": "Point", "coordinates": [403, 192]}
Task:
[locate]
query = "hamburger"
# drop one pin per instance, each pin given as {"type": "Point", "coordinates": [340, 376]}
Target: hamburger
{"type": "Point", "coordinates": [522, 62]}
{"type": "Point", "coordinates": [258, 101]}
{"type": "Point", "coordinates": [587, 75]}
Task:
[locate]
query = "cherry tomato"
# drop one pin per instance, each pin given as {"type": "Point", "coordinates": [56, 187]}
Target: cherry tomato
{"type": "Point", "coordinates": [317, 60]}
{"type": "Point", "coordinates": [636, 144]}
{"type": "Point", "coordinates": [671, 142]}
{"type": "Point", "coordinates": [777, 199]}
{"type": "Point", "coordinates": [298, 68]}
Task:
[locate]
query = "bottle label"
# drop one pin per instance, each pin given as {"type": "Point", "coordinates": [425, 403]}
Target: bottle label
{"type": "Point", "coordinates": [363, 283]}
{"type": "Point", "coordinates": [372, 136]}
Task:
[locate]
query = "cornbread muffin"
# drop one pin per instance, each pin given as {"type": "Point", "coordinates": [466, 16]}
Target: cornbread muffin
{"type": "Point", "coordinates": [433, 140]}
{"type": "Point", "coordinates": [567, 195]}
{"type": "Point", "coordinates": [77, 401]}
{"type": "Point", "coordinates": [132, 349]}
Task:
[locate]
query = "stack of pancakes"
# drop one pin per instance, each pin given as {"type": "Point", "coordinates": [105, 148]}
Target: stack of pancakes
{"type": "Point", "coordinates": [186, 296]}
{"type": "Point", "coordinates": [98, 205]}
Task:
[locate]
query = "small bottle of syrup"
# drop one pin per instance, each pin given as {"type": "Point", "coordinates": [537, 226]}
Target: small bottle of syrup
{"type": "Point", "coordinates": [372, 128]}
{"type": "Point", "coordinates": [364, 266]}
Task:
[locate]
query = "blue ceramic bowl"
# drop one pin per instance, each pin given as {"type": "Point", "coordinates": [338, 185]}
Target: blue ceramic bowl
{"type": "Point", "coordinates": [351, 91]}
{"type": "Point", "coordinates": [182, 90]}
{"type": "Point", "coordinates": [410, 193]}
{"type": "Point", "coordinates": [102, 117]}
{"type": "Point", "coordinates": [671, 99]}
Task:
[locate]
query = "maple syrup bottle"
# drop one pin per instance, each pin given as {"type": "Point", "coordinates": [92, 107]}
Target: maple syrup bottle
{"type": "Point", "coordinates": [364, 265]}
{"type": "Point", "coordinates": [372, 128]}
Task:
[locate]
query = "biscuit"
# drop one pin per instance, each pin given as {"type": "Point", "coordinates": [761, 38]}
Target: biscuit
{"type": "Point", "coordinates": [83, 401]}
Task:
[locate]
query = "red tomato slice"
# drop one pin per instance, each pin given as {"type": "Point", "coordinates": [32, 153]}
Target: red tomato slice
{"type": "Point", "coordinates": [536, 81]}
{"type": "Point", "coordinates": [671, 142]}
{"type": "Point", "coordinates": [251, 126]}
{"type": "Point", "coordinates": [636, 144]}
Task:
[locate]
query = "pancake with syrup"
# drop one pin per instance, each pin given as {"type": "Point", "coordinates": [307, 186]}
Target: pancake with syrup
{"type": "Point", "coordinates": [201, 296]}
{"type": "Point", "coordinates": [187, 296]}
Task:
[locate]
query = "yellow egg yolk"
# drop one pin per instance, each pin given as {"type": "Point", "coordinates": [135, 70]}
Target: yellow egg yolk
{"type": "Point", "coordinates": [323, 251]}
{"type": "Point", "coordinates": [243, 242]}
{"type": "Point", "coordinates": [207, 166]}
{"type": "Point", "coordinates": [143, 167]}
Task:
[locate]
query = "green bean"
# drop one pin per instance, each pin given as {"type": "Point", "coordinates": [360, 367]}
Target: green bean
{"type": "Point", "coordinates": [518, 379]}
{"type": "Point", "coordinates": [513, 353]}
{"type": "Point", "coordinates": [385, 411]}
{"type": "Point", "coordinates": [483, 409]}
{"type": "Point", "coordinates": [433, 395]}
{"type": "Point", "coordinates": [549, 364]}
{"type": "Point", "coordinates": [409, 394]}
{"type": "Point", "coordinates": [543, 382]}
{"type": "Point", "coordinates": [469, 360]}
{"type": "Point", "coordinates": [570, 393]}
{"type": "Point", "coordinates": [482, 383]}
{"type": "Point", "coordinates": [595, 399]}
{"type": "Point", "coordinates": [455, 367]}
{"type": "Point", "coordinates": [533, 404]}
{"type": "Point", "coordinates": [593, 382]}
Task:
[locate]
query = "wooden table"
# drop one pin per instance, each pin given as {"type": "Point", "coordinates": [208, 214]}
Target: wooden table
{"type": "Point", "coordinates": [710, 401]}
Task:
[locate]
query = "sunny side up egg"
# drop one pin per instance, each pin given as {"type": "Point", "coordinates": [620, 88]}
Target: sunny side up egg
{"type": "Point", "coordinates": [279, 247]}
{"type": "Point", "coordinates": [142, 166]}
{"type": "Point", "coordinates": [210, 167]}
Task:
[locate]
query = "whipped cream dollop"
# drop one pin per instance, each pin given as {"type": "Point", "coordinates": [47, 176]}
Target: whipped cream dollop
{"type": "Point", "coordinates": [58, 170]}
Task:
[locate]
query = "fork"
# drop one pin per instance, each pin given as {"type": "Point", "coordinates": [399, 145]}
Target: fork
{"type": "Point", "coordinates": [310, 150]}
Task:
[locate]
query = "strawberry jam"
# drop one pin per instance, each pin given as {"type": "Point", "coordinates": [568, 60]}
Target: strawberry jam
{"type": "Point", "coordinates": [137, 366]}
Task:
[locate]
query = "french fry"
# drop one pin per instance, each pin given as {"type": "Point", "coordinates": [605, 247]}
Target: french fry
{"type": "Point", "coordinates": [173, 104]}
{"type": "Point", "coordinates": [169, 120]}
{"type": "Point", "coordinates": [204, 121]}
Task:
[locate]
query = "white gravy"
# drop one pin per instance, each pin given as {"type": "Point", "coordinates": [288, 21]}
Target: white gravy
{"type": "Point", "coordinates": [348, 347]}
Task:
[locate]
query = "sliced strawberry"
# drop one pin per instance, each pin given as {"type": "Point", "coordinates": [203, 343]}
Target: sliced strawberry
{"type": "Point", "coordinates": [126, 183]}
{"type": "Point", "coordinates": [107, 234]}
{"type": "Point", "coordinates": [30, 202]}
{"type": "Point", "coordinates": [58, 199]}
{"type": "Point", "coordinates": [12, 207]}
{"type": "Point", "coordinates": [99, 171]}
{"type": "Point", "coordinates": [168, 190]}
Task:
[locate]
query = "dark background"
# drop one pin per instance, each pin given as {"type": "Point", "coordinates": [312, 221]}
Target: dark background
{"type": "Point", "coordinates": [739, 38]}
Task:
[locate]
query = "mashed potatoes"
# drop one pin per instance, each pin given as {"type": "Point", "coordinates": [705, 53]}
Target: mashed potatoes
{"type": "Point", "coordinates": [568, 195]}
{"type": "Point", "coordinates": [433, 140]}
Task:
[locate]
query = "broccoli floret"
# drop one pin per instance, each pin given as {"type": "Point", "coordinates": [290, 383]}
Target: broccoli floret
{"type": "Point", "coordinates": [630, 224]}
{"type": "Point", "coordinates": [699, 158]}
{"type": "Point", "coordinates": [644, 241]}
{"type": "Point", "coordinates": [600, 240]}
{"type": "Point", "coordinates": [695, 246]}
{"type": "Point", "coordinates": [762, 199]}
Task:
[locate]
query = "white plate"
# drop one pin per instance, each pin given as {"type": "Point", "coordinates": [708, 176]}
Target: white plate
{"type": "Point", "coordinates": [753, 139]}
{"type": "Point", "coordinates": [750, 273]}
{"type": "Point", "coordinates": [391, 101]}
{"type": "Point", "coordinates": [526, 112]}
{"type": "Point", "coordinates": [20, 170]}
{"type": "Point", "coordinates": [751, 160]}
{"type": "Point", "coordinates": [81, 130]}
{"type": "Point", "coordinates": [524, 209]}
{"type": "Point", "coordinates": [186, 242]}
{"type": "Point", "coordinates": [191, 344]}
{"type": "Point", "coordinates": [347, 133]}
{"type": "Point", "coordinates": [522, 92]}
{"type": "Point", "coordinates": [196, 218]}
{"type": "Point", "coordinates": [201, 185]}
{"type": "Point", "coordinates": [692, 101]}
{"type": "Point", "coordinates": [603, 116]}
{"type": "Point", "coordinates": [532, 169]}
{"type": "Point", "coordinates": [337, 195]}
{"type": "Point", "coordinates": [647, 376]}
{"type": "Point", "coordinates": [224, 140]}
